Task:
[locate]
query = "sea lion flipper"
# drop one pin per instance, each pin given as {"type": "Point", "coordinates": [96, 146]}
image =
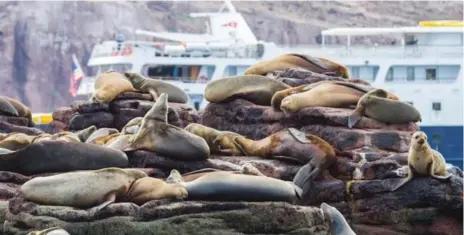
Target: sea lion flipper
{"type": "Point", "coordinates": [302, 178]}
{"type": "Point", "coordinates": [440, 177]}
{"type": "Point", "coordinates": [299, 135]}
{"type": "Point", "coordinates": [239, 146]}
{"type": "Point", "coordinates": [175, 177]}
{"type": "Point", "coordinates": [153, 93]}
{"type": "Point", "coordinates": [354, 118]}
{"type": "Point", "coordinates": [249, 169]}
{"type": "Point", "coordinates": [109, 198]}
{"type": "Point", "coordinates": [398, 183]}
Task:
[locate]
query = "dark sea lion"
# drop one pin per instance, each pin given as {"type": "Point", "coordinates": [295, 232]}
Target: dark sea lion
{"type": "Point", "coordinates": [109, 85]}
{"type": "Point", "coordinates": [285, 61]}
{"type": "Point", "coordinates": [280, 95]}
{"type": "Point", "coordinates": [157, 87]}
{"type": "Point", "coordinates": [85, 133]}
{"type": "Point", "coordinates": [6, 108]}
{"type": "Point", "coordinates": [132, 127]}
{"type": "Point", "coordinates": [82, 189]}
{"type": "Point", "coordinates": [102, 132]}
{"type": "Point", "coordinates": [21, 109]}
{"type": "Point", "coordinates": [376, 105]}
{"type": "Point", "coordinates": [226, 186]}
{"type": "Point", "coordinates": [148, 188]}
{"type": "Point", "coordinates": [157, 135]}
{"type": "Point", "coordinates": [219, 142]}
{"type": "Point", "coordinates": [49, 156]}
{"type": "Point", "coordinates": [255, 88]}
{"type": "Point", "coordinates": [286, 144]}
{"type": "Point", "coordinates": [422, 161]}
{"type": "Point", "coordinates": [337, 222]}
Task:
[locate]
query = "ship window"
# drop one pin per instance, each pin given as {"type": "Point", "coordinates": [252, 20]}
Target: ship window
{"type": "Point", "coordinates": [233, 70]}
{"type": "Point", "coordinates": [390, 75]}
{"type": "Point", "coordinates": [410, 74]}
{"type": "Point", "coordinates": [431, 74]}
{"type": "Point", "coordinates": [184, 73]}
{"type": "Point", "coordinates": [436, 106]}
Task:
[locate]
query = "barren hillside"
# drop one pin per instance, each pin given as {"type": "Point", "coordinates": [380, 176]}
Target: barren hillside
{"type": "Point", "coordinates": [38, 38]}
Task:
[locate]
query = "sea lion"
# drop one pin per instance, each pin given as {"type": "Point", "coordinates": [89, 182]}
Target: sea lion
{"type": "Point", "coordinates": [50, 231]}
{"type": "Point", "coordinates": [246, 168]}
{"type": "Point", "coordinates": [65, 136]}
{"type": "Point", "coordinates": [81, 189]}
{"type": "Point", "coordinates": [157, 87]}
{"type": "Point", "coordinates": [285, 61]}
{"type": "Point", "coordinates": [102, 132]}
{"type": "Point", "coordinates": [255, 88]}
{"type": "Point", "coordinates": [286, 144]}
{"type": "Point", "coordinates": [423, 161]}
{"type": "Point", "coordinates": [280, 95]}
{"type": "Point", "coordinates": [15, 141]}
{"type": "Point", "coordinates": [119, 141]}
{"type": "Point", "coordinates": [375, 105]}
{"type": "Point", "coordinates": [49, 156]}
{"type": "Point", "coordinates": [157, 135]}
{"type": "Point", "coordinates": [84, 134]}
{"type": "Point", "coordinates": [108, 85]}
{"type": "Point", "coordinates": [324, 95]}
{"type": "Point", "coordinates": [226, 186]}
{"type": "Point", "coordinates": [21, 109]}
{"type": "Point", "coordinates": [132, 127]}
{"type": "Point", "coordinates": [41, 137]}
{"type": "Point", "coordinates": [337, 222]}
{"type": "Point", "coordinates": [219, 142]}
{"type": "Point", "coordinates": [6, 108]}
{"type": "Point", "coordinates": [149, 188]}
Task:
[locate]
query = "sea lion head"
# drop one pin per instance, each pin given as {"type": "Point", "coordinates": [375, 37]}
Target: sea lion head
{"type": "Point", "coordinates": [135, 78]}
{"type": "Point", "coordinates": [369, 96]}
{"type": "Point", "coordinates": [288, 105]}
{"type": "Point", "coordinates": [419, 139]}
{"type": "Point", "coordinates": [337, 222]}
{"type": "Point", "coordinates": [343, 71]}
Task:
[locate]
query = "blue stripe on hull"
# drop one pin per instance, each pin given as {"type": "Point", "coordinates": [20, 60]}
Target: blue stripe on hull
{"type": "Point", "coordinates": [448, 140]}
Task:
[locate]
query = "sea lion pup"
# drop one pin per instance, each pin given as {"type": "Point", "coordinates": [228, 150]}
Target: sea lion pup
{"type": "Point", "coordinates": [84, 134]}
{"type": "Point", "coordinates": [157, 87]}
{"type": "Point", "coordinates": [280, 95]}
{"type": "Point", "coordinates": [50, 231]}
{"type": "Point", "coordinates": [109, 85]}
{"type": "Point", "coordinates": [337, 222]}
{"type": "Point", "coordinates": [81, 189]}
{"type": "Point", "coordinates": [148, 188]}
{"type": "Point", "coordinates": [226, 186]}
{"type": "Point", "coordinates": [21, 109]}
{"type": "Point", "coordinates": [255, 88]}
{"type": "Point", "coordinates": [102, 132]}
{"type": "Point", "coordinates": [219, 142]}
{"type": "Point", "coordinates": [157, 135]}
{"type": "Point", "coordinates": [423, 161]}
{"type": "Point", "coordinates": [285, 61]}
{"type": "Point", "coordinates": [286, 144]}
{"type": "Point", "coordinates": [6, 108]}
{"type": "Point", "coordinates": [16, 141]}
{"type": "Point", "coordinates": [375, 105]}
{"type": "Point", "coordinates": [132, 127]}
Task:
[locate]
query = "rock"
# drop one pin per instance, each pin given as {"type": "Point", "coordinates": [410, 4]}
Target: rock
{"type": "Point", "coordinates": [6, 127]}
{"type": "Point", "coordinates": [55, 127]}
{"type": "Point", "coordinates": [63, 114]}
{"type": "Point", "coordinates": [298, 76]}
{"type": "Point", "coordinates": [18, 121]}
{"type": "Point", "coordinates": [169, 217]}
{"type": "Point", "coordinates": [133, 96]}
{"type": "Point", "coordinates": [82, 121]}
{"type": "Point", "coordinates": [89, 107]}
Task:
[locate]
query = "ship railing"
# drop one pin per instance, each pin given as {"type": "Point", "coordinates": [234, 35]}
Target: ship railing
{"type": "Point", "coordinates": [396, 51]}
{"type": "Point", "coordinates": [201, 80]}
{"type": "Point", "coordinates": [422, 80]}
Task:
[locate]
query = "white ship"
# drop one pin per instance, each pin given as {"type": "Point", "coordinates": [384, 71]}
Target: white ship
{"type": "Point", "coordinates": [423, 66]}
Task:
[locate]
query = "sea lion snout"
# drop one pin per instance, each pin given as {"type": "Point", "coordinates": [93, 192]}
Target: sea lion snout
{"type": "Point", "coordinates": [421, 141]}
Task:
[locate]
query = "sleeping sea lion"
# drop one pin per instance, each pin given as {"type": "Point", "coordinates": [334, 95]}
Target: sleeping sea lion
{"type": "Point", "coordinates": [219, 142]}
{"type": "Point", "coordinates": [81, 189]}
{"type": "Point", "coordinates": [226, 186]}
{"type": "Point", "coordinates": [337, 222]}
{"type": "Point", "coordinates": [375, 105]}
{"type": "Point", "coordinates": [102, 132]}
{"type": "Point", "coordinates": [157, 87]}
{"type": "Point", "coordinates": [157, 135]}
{"type": "Point", "coordinates": [422, 161]}
{"type": "Point", "coordinates": [109, 85]}
{"type": "Point", "coordinates": [255, 88]}
{"type": "Point", "coordinates": [285, 61]}
{"type": "Point", "coordinates": [21, 109]}
{"type": "Point", "coordinates": [148, 188]}
{"type": "Point", "coordinates": [132, 126]}
{"type": "Point", "coordinates": [286, 144]}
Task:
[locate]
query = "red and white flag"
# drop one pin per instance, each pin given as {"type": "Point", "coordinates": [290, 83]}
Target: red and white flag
{"type": "Point", "coordinates": [77, 75]}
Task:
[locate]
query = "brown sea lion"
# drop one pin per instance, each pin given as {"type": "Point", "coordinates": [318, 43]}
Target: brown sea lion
{"type": "Point", "coordinates": [16, 141]}
{"type": "Point", "coordinates": [337, 222]}
{"type": "Point", "coordinates": [148, 188]}
{"type": "Point", "coordinates": [423, 161]}
{"type": "Point", "coordinates": [219, 142]}
{"type": "Point", "coordinates": [98, 134]}
{"type": "Point", "coordinates": [132, 126]}
{"type": "Point", "coordinates": [6, 108]}
{"type": "Point", "coordinates": [157, 135]}
{"type": "Point", "coordinates": [66, 136]}
{"type": "Point", "coordinates": [255, 88]}
{"type": "Point", "coordinates": [108, 85]}
{"type": "Point", "coordinates": [84, 134]}
{"type": "Point", "coordinates": [280, 95]}
{"type": "Point", "coordinates": [156, 87]}
{"type": "Point", "coordinates": [21, 109]}
{"type": "Point", "coordinates": [285, 61]}
{"type": "Point", "coordinates": [286, 144]}
{"type": "Point", "coordinates": [376, 105]}
{"type": "Point", "coordinates": [82, 189]}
